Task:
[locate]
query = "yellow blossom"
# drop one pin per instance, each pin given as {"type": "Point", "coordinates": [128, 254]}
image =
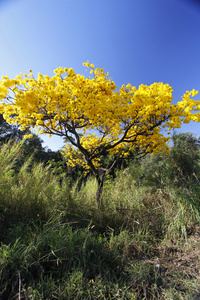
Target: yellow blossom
{"type": "Point", "coordinates": [72, 105]}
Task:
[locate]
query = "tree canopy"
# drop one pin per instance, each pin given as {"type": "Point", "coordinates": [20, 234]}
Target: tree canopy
{"type": "Point", "coordinates": [94, 115]}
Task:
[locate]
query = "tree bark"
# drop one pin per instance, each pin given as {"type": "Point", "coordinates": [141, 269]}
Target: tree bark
{"type": "Point", "coordinates": [100, 181]}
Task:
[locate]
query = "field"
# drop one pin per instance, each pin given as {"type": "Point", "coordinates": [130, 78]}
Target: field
{"type": "Point", "coordinates": [144, 243]}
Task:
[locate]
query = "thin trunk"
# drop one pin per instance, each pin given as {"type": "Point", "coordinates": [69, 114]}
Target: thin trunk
{"type": "Point", "coordinates": [100, 181]}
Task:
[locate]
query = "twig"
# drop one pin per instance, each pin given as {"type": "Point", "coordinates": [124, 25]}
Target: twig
{"type": "Point", "coordinates": [19, 285]}
{"type": "Point", "coordinates": [45, 256]}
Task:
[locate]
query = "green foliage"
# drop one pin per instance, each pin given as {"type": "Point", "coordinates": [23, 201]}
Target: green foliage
{"type": "Point", "coordinates": [181, 167]}
{"type": "Point", "coordinates": [8, 131]}
{"type": "Point", "coordinates": [29, 194]}
{"type": "Point", "coordinates": [55, 253]}
{"type": "Point", "coordinates": [185, 155]}
{"type": "Point", "coordinates": [56, 244]}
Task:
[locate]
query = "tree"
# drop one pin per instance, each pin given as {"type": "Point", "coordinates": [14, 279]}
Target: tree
{"type": "Point", "coordinates": [184, 155]}
{"type": "Point", "coordinates": [95, 116]}
{"type": "Point", "coordinates": [8, 131]}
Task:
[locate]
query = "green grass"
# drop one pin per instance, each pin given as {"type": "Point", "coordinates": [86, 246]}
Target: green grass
{"type": "Point", "coordinates": [56, 244]}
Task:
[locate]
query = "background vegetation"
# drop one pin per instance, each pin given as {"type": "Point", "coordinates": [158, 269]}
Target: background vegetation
{"type": "Point", "coordinates": [56, 244]}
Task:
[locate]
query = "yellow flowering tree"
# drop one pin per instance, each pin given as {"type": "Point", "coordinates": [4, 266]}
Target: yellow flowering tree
{"type": "Point", "coordinates": [94, 116]}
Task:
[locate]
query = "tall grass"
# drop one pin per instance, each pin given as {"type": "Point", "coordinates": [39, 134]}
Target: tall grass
{"type": "Point", "coordinates": [55, 244]}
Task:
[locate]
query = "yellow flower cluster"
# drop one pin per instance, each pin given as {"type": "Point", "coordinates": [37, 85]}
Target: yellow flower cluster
{"type": "Point", "coordinates": [68, 103]}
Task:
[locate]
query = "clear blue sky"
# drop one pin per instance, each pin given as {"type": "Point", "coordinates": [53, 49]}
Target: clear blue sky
{"type": "Point", "coordinates": [136, 41]}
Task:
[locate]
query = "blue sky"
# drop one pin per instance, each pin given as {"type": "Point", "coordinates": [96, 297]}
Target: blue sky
{"type": "Point", "coordinates": [136, 41]}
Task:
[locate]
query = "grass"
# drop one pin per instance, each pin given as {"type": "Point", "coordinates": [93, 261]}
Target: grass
{"type": "Point", "coordinates": [55, 244]}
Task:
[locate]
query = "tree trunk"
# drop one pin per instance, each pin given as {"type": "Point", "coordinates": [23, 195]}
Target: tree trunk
{"type": "Point", "coordinates": [100, 181]}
